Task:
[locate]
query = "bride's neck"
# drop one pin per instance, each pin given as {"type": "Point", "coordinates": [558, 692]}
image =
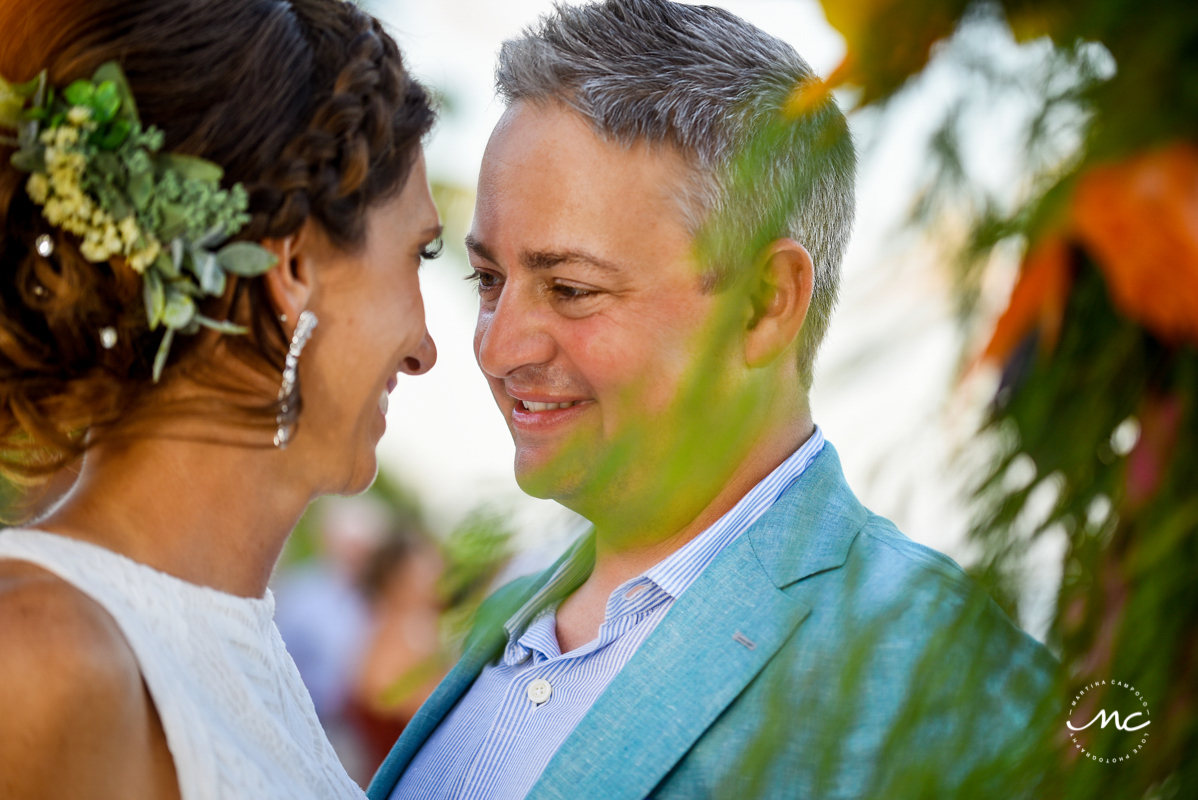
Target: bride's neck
{"type": "Point", "coordinates": [211, 514]}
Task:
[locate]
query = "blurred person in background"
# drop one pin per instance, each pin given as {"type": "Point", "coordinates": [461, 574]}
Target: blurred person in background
{"type": "Point", "coordinates": [361, 618]}
{"type": "Point", "coordinates": [403, 657]}
{"type": "Point", "coordinates": [209, 387]}
{"type": "Point", "coordinates": [320, 608]}
{"type": "Point", "coordinates": [373, 610]}
{"type": "Point", "coordinates": [737, 623]}
{"type": "Point", "coordinates": [324, 616]}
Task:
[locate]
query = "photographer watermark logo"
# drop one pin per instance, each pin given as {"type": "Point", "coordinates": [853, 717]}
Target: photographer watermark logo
{"type": "Point", "coordinates": [1125, 711]}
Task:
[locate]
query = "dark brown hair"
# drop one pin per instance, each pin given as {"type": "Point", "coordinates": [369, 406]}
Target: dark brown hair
{"type": "Point", "coordinates": [305, 102]}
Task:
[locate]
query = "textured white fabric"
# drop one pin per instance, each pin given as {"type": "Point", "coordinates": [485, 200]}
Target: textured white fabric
{"type": "Point", "coordinates": [238, 720]}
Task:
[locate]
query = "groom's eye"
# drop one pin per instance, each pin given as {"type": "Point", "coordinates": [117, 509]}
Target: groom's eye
{"type": "Point", "coordinates": [484, 280]}
{"type": "Point", "coordinates": [569, 292]}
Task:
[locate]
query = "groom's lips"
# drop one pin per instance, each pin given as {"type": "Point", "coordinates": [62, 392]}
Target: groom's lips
{"type": "Point", "coordinates": [532, 412]}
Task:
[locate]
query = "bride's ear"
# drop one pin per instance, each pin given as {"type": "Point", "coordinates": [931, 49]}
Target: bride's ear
{"type": "Point", "coordinates": [289, 284]}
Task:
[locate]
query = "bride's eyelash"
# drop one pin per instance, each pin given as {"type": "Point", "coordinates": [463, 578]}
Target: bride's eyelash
{"type": "Point", "coordinates": [432, 249]}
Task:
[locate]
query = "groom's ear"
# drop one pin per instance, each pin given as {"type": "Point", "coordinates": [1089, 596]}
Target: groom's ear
{"type": "Point", "coordinates": [780, 299]}
{"type": "Point", "coordinates": [290, 283]}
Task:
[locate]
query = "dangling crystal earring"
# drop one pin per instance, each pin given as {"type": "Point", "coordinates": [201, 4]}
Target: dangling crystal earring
{"type": "Point", "coordinates": [289, 400]}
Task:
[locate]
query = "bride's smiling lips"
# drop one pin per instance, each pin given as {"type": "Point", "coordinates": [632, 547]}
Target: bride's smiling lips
{"type": "Point", "coordinates": [385, 395]}
{"type": "Point", "coordinates": [532, 412]}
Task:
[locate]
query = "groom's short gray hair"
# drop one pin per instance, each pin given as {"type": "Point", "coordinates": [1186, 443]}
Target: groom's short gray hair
{"type": "Point", "coordinates": [714, 87]}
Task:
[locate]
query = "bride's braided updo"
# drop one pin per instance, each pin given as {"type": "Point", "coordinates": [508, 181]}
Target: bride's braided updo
{"type": "Point", "coordinates": [305, 102]}
{"type": "Point", "coordinates": [359, 142]}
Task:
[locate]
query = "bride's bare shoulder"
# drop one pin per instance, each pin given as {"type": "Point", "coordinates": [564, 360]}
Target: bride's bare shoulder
{"type": "Point", "coordinates": [52, 634]}
{"type": "Point", "coordinates": [75, 707]}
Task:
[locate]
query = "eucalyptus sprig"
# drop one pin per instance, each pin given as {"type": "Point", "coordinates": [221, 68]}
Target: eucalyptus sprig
{"type": "Point", "coordinates": [99, 174]}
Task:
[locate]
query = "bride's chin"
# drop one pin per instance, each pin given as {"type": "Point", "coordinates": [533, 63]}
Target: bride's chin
{"type": "Point", "coordinates": [347, 459]}
{"type": "Point", "coordinates": [362, 467]}
{"type": "Point", "coordinates": [363, 477]}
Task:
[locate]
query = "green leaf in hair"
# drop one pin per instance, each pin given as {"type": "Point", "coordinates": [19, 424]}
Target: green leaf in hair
{"type": "Point", "coordinates": [179, 309]}
{"type": "Point", "coordinates": [12, 103]}
{"type": "Point", "coordinates": [246, 259]}
{"type": "Point", "coordinates": [231, 328]}
{"type": "Point", "coordinates": [190, 167]}
{"type": "Point", "coordinates": [208, 270]}
{"type": "Point", "coordinates": [155, 298]}
{"type": "Point", "coordinates": [111, 72]}
{"type": "Point", "coordinates": [164, 214]}
{"type": "Point", "coordinates": [164, 350]}
{"type": "Point", "coordinates": [80, 93]}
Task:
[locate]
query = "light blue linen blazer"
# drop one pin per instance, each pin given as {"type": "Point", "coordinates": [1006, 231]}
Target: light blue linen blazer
{"type": "Point", "coordinates": [822, 654]}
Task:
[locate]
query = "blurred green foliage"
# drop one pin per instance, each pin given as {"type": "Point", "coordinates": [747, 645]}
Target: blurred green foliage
{"type": "Point", "coordinates": [304, 542]}
{"type": "Point", "coordinates": [1097, 412]}
{"type": "Point", "coordinates": [475, 553]}
{"type": "Point", "coordinates": [9, 495]}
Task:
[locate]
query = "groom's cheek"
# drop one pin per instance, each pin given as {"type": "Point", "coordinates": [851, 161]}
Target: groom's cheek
{"type": "Point", "coordinates": [496, 386]}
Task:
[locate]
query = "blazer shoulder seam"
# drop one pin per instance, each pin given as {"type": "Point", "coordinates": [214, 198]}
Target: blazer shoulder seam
{"type": "Point", "coordinates": [917, 554]}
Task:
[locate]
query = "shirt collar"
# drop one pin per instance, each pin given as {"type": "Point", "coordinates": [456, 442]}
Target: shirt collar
{"type": "Point", "coordinates": [570, 574]}
{"type": "Point", "coordinates": [681, 568]}
{"type": "Point", "coordinates": [674, 574]}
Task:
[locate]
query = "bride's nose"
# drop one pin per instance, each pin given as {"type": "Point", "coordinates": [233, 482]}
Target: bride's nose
{"type": "Point", "coordinates": [422, 358]}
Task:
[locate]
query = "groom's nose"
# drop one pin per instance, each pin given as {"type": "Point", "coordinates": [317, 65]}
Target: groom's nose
{"type": "Point", "coordinates": [516, 333]}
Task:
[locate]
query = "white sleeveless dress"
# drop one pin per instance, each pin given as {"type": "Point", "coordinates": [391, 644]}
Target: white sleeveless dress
{"type": "Point", "coordinates": [238, 720]}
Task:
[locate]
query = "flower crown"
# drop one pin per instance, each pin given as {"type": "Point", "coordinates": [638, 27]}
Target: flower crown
{"type": "Point", "coordinates": [98, 174]}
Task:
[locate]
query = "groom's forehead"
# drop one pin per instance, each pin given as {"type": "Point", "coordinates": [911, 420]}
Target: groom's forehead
{"type": "Point", "coordinates": [550, 136]}
{"type": "Point", "coordinates": [547, 170]}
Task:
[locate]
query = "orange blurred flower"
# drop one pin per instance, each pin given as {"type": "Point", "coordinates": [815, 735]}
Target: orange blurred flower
{"type": "Point", "coordinates": [1138, 219]}
{"type": "Point", "coordinates": [806, 96]}
{"type": "Point", "coordinates": [1038, 300]}
{"type": "Point", "coordinates": [888, 40]}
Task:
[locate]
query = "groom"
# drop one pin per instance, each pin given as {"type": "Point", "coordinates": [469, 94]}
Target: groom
{"type": "Point", "coordinates": [660, 222]}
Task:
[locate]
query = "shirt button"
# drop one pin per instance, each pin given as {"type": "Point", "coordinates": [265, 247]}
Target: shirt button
{"type": "Point", "coordinates": [539, 691]}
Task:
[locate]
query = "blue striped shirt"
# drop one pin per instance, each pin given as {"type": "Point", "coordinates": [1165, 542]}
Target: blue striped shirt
{"type": "Point", "coordinates": [497, 740]}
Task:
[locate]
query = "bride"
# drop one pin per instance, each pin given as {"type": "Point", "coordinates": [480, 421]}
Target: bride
{"type": "Point", "coordinates": [212, 213]}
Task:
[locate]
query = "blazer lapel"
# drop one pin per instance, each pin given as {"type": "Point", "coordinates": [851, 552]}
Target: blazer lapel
{"type": "Point", "coordinates": [718, 636]}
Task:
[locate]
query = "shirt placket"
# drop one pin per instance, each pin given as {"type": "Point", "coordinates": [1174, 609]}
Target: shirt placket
{"type": "Point", "coordinates": [535, 670]}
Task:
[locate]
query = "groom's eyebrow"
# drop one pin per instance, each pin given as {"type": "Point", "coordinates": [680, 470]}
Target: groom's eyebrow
{"type": "Point", "coordinates": [479, 249]}
{"type": "Point", "coordinates": [547, 260]}
{"type": "Point", "coordinates": [542, 259]}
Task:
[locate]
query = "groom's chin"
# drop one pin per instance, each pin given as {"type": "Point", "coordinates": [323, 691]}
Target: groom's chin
{"type": "Point", "coordinates": [546, 476]}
